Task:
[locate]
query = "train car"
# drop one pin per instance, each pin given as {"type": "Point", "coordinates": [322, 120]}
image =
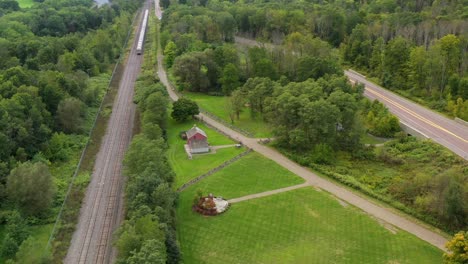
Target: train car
{"type": "Point", "coordinates": [141, 37]}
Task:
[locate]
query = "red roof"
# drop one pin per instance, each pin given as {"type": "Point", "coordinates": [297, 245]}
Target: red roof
{"type": "Point", "coordinates": [194, 131]}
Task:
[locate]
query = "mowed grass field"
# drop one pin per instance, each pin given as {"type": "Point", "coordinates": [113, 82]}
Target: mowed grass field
{"type": "Point", "coordinates": [217, 106]}
{"type": "Point", "coordinates": [250, 174]}
{"type": "Point", "coordinates": [187, 169]}
{"type": "Point", "coordinates": [299, 226]}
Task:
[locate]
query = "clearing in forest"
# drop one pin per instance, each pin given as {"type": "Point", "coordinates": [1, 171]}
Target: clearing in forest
{"type": "Point", "coordinates": [217, 105]}
{"type": "Point", "coordinates": [298, 226]}
{"type": "Point", "coordinates": [188, 169]}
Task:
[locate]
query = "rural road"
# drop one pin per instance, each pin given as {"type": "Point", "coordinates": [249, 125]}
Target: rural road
{"type": "Point", "coordinates": [427, 123]}
{"type": "Point", "coordinates": [383, 213]}
{"type": "Point", "coordinates": [102, 208]}
{"type": "Point", "coordinates": [430, 124]}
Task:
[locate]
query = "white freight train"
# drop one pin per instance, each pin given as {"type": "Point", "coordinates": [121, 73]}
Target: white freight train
{"type": "Point", "coordinates": [141, 38]}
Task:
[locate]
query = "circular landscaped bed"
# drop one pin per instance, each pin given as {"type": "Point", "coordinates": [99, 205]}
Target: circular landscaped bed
{"type": "Point", "coordinates": [210, 205]}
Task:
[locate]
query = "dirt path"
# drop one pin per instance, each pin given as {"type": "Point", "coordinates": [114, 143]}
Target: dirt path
{"type": "Point", "coordinates": [267, 193]}
{"type": "Point", "coordinates": [371, 208]}
{"type": "Point", "coordinates": [102, 208]}
{"type": "Point", "coordinates": [222, 146]}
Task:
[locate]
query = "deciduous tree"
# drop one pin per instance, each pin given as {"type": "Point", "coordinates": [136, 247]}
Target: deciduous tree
{"type": "Point", "coordinates": [458, 249]}
{"type": "Point", "coordinates": [170, 52]}
{"type": "Point", "coordinates": [70, 115]}
{"type": "Point", "coordinates": [183, 109]}
{"type": "Point", "coordinates": [230, 79]}
{"type": "Point", "coordinates": [30, 187]}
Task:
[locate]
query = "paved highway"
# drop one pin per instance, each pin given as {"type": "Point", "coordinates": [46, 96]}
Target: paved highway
{"type": "Point", "coordinates": [428, 123]}
{"type": "Point", "coordinates": [102, 208]}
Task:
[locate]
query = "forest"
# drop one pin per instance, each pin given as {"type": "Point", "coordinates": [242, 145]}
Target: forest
{"type": "Point", "coordinates": [56, 60]}
{"type": "Point", "coordinates": [416, 49]}
{"type": "Point", "coordinates": [292, 79]}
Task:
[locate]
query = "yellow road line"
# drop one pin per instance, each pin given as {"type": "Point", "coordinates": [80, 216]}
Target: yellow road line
{"type": "Point", "coordinates": [414, 114]}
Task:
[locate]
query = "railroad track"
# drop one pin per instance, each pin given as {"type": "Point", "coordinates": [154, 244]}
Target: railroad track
{"type": "Point", "coordinates": [101, 211]}
{"type": "Point", "coordinates": [106, 195]}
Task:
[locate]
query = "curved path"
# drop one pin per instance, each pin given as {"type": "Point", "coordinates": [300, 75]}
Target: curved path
{"type": "Point", "coordinates": [371, 208]}
{"type": "Point", "coordinates": [102, 208]}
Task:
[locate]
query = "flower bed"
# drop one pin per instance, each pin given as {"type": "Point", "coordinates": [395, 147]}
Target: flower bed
{"type": "Point", "coordinates": [210, 205]}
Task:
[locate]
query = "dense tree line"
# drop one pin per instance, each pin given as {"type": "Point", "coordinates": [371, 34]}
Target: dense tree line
{"type": "Point", "coordinates": [419, 21]}
{"type": "Point", "coordinates": [417, 48]}
{"type": "Point", "coordinates": [48, 54]}
{"type": "Point", "coordinates": [438, 73]}
{"type": "Point", "coordinates": [296, 86]}
{"type": "Point", "coordinates": [44, 81]}
{"type": "Point", "coordinates": [148, 235]}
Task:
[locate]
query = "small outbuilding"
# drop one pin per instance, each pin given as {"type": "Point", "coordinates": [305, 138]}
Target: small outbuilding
{"type": "Point", "coordinates": [197, 141]}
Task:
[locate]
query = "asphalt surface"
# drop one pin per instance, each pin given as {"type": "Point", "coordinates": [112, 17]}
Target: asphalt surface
{"type": "Point", "coordinates": [430, 124]}
{"type": "Point", "coordinates": [425, 122]}
{"type": "Point", "coordinates": [102, 208]}
{"type": "Point", "coordinates": [386, 214]}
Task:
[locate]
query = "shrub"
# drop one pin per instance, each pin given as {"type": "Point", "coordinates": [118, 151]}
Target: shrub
{"type": "Point", "coordinates": [183, 109]}
{"type": "Point", "coordinates": [323, 154]}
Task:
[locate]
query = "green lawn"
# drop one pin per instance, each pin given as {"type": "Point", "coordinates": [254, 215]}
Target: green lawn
{"type": "Point", "coordinates": [216, 105]}
{"type": "Point", "coordinates": [300, 226]}
{"type": "Point", "coordinates": [25, 3]}
{"type": "Point", "coordinates": [251, 174]}
{"type": "Point", "coordinates": [186, 169]}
